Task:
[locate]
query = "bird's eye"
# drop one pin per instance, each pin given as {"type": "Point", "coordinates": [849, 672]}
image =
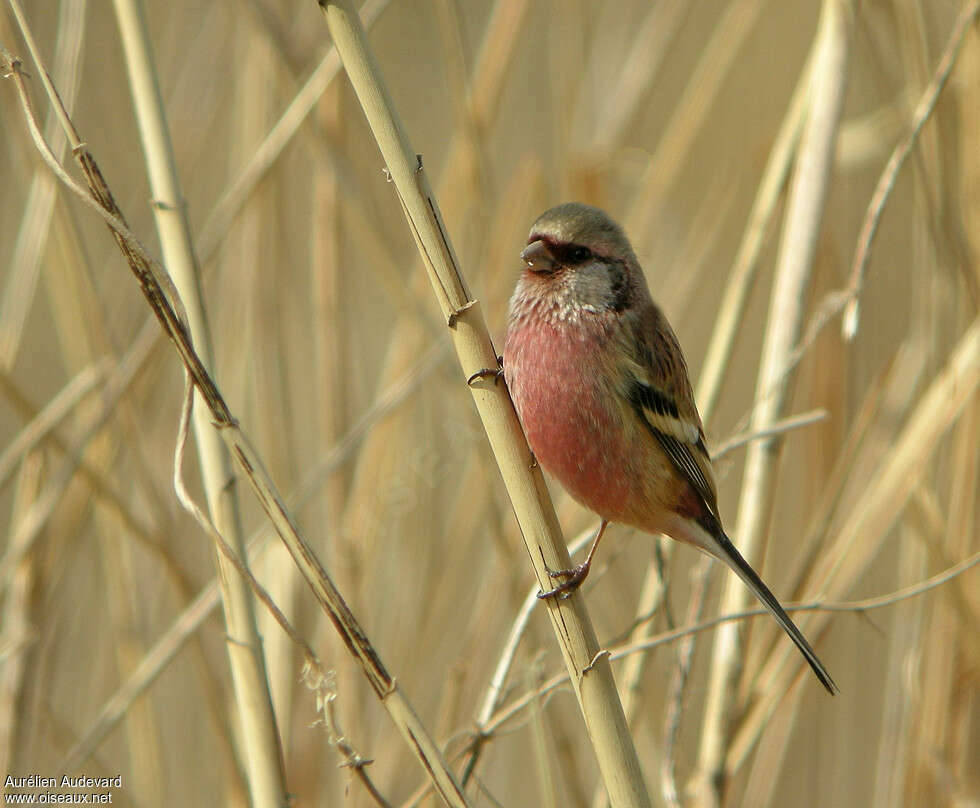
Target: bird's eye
{"type": "Point", "coordinates": [580, 254]}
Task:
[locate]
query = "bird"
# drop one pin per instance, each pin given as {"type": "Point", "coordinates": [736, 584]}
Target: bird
{"type": "Point", "coordinates": [602, 391]}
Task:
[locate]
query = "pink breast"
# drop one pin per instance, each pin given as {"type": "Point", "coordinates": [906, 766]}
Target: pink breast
{"type": "Point", "coordinates": [567, 413]}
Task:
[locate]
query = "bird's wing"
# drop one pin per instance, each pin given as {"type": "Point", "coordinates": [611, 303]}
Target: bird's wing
{"type": "Point", "coordinates": [659, 390]}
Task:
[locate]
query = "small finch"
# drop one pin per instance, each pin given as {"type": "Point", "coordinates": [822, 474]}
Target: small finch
{"type": "Point", "coordinates": [601, 388]}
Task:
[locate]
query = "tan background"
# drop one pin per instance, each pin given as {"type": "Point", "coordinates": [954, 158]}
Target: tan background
{"type": "Point", "coordinates": [318, 306]}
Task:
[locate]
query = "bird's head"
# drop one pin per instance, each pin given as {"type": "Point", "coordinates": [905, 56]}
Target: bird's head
{"type": "Point", "coordinates": [579, 256]}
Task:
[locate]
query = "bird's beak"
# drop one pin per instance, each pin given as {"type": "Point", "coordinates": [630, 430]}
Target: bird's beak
{"type": "Point", "coordinates": [538, 257]}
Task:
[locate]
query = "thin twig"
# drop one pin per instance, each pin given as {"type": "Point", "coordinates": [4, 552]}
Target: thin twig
{"type": "Point", "coordinates": [886, 183]}
{"type": "Point", "coordinates": [324, 686]}
{"type": "Point", "coordinates": [779, 428]}
{"type": "Point", "coordinates": [166, 648]}
{"type": "Point", "coordinates": [187, 502]}
{"type": "Point", "coordinates": [314, 674]}
{"type": "Point", "coordinates": [678, 682]}
{"type": "Point", "coordinates": [847, 299]}
{"type": "Point", "coordinates": [507, 713]}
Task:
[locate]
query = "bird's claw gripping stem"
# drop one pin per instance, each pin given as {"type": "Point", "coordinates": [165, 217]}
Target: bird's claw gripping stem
{"type": "Point", "coordinates": [574, 576]}
{"type": "Point", "coordinates": [486, 373]}
{"type": "Point", "coordinates": [573, 580]}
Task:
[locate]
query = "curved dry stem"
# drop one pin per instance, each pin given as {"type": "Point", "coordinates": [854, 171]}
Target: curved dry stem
{"type": "Point", "coordinates": [25, 263]}
{"type": "Point", "coordinates": [787, 305]}
{"type": "Point", "coordinates": [166, 648]}
{"type": "Point", "coordinates": [886, 182]}
{"type": "Point", "coordinates": [315, 677]}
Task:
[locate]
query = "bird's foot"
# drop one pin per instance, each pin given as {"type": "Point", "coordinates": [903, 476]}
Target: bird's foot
{"type": "Point", "coordinates": [486, 373]}
{"type": "Point", "coordinates": [573, 580]}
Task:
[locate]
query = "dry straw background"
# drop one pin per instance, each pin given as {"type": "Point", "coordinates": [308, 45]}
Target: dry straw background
{"type": "Point", "coordinates": [330, 350]}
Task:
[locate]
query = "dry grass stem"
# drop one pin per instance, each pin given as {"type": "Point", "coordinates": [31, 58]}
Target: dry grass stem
{"type": "Point", "coordinates": [804, 213]}
{"type": "Point", "coordinates": [48, 419]}
{"type": "Point", "coordinates": [886, 183]}
{"type": "Point", "coordinates": [219, 221]}
{"type": "Point", "coordinates": [742, 277]}
{"type": "Point", "coordinates": [18, 633]}
{"type": "Point", "coordinates": [314, 676]}
{"type": "Point", "coordinates": [25, 263]}
{"type": "Point", "coordinates": [259, 732]}
{"type": "Point", "coordinates": [778, 428]}
{"type": "Point", "coordinates": [591, 674]}
{"type": "Point", "coordinates": [678, 683]}
{"type": "Point", "coordinates": [886, 492]}
{"type": "Point", "coordinates": [495, 690]}
{"type": "Point", "coordinates": [732, 26]}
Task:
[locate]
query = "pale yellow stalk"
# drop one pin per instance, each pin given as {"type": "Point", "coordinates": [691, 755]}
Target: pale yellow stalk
{"type": "Point", "coordinates": [805, 205]}
{"type": "Point", "coordinates": [259, 733]}
{"type": "Point", "coordinates": [588, 666]}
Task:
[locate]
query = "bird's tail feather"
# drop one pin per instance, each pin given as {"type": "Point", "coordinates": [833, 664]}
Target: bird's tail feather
{"type": "Point", "coordinates": [730, 555]}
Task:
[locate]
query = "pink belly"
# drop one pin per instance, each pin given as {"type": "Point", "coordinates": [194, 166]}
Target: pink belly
{"type": "Point", "coordinates": [569, 416]}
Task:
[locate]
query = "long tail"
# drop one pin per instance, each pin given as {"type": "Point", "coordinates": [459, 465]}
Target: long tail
{"type": "Point", "coordinates": [731, 556]}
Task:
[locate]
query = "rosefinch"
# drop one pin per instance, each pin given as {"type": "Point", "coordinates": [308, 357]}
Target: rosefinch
{"type": "Point", "coordinates": [601, 388]}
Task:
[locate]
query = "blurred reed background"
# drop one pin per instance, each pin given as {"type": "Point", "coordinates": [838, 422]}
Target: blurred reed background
{"type": "Point", "coordinates": [330, 350]}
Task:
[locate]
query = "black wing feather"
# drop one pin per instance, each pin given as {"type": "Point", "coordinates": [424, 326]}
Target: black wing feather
{"type": "Point", "coordinates": [642, 395]}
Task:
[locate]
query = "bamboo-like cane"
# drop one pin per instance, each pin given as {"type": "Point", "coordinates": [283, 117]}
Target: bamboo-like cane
{"type": "Point", "coordinates": [588, 665]}
{"type": "Point", "coordinates": [260, 734]}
